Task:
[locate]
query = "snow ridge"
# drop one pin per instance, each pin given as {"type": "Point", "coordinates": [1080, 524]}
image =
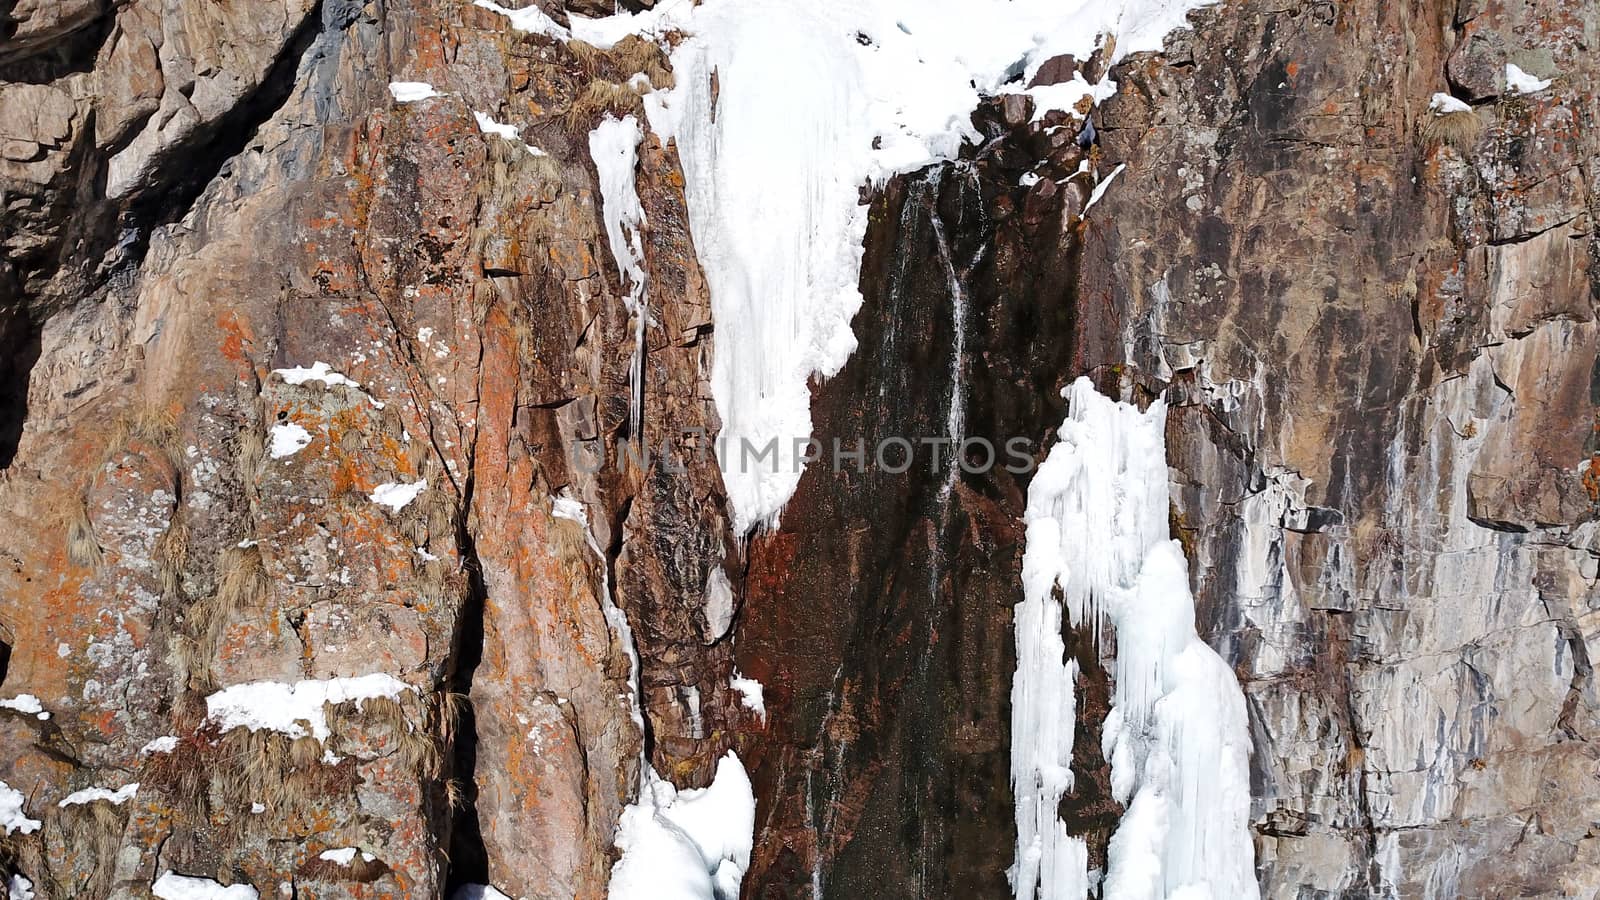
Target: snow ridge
{"type": "Point", "coordinates": [1177, 735]}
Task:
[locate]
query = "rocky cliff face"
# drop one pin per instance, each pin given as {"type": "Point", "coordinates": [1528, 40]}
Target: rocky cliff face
{"type": "Point", "coordinates": [1377, 335]}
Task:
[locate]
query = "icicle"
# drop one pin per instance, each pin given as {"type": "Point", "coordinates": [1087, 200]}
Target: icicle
{"type": "Point", "coordinates": [1177, 736]}
{"type": "Point", "coordinates": [956, 420]}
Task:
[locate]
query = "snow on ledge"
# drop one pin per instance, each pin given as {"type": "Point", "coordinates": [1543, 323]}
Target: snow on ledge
{"type": "Point", "coordinates": [531, 19]}
{"type": "Point", "coordinates": [1443, 104]}
{"type": "Point", "coordinates": [90, 795]}
{"type": "Point", "coordinates": [27, 704]}
{"type": "Point", "coordinates": [173, 886]}
{"type": "Point", "coordinates": [566, 506]}
{"type": "Point", "coordinates": [295, 709]}
{"type": "Point", "coordinates": [412, 91]}
{"type": "Point", "coordinates": [344, 856]}
{"type": "Point", "coordinates": [318, 371]}
{"type": "Point", "coordinates": [1523, 83]}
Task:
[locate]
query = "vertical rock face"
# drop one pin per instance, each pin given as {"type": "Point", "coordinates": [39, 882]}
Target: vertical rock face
{"type": "Point", "coordinates": [303, 380]}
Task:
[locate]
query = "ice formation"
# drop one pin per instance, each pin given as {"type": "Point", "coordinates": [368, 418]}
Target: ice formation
{"type": "Point", "coordinates": [614, 146]}
{"type": "Point", "coordinates": [1177, 736]}
{"type": "Point", "coordinates": [837, 95]}
{"type": "Point", "coordinates": [686, 845]}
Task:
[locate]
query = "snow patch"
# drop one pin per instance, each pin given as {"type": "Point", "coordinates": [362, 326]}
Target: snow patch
{"type": "Point", "coordinates": [1523, 83]}
{"type": "Point", "coordinates": [531, 19]}
{"type": "Point", "coordinates": [163, 744]}
{"type": "Point", "coordinates": [488, 125]}
{"type": "Point", "coordinates": [412, 91]}
{"type": "Point", "coordinates": [686, 845]}
{"type": "Point", "coordinates": [20, 888]}
{"type": "Point", "coordinates": [172, 886]}
{"type": "Point", "coordinates": [295, 709]}
{"type": "Point", "coordinates": [569, 507]}
{"type": "Point", "coordinates": [11, 815]}
{"type": "Point", "coordinates": [27, 704]}
{"type": "Point", "coordinates": [90, 795]}
{"type": "Point", "coordinates": [750, 694]}
{"type": "Point", "coordinates": [319, 371]}
{"type": "Point", "coordinates": [285, 439]}
{"type": "Point", "coordinates": [1444, 104]}
{"type": "Point", "coordinates": [1065, 96]}
{"type": "Point", "coordinates": [396, 495]}
{"type": "Point", "coordinates": [344, 856]}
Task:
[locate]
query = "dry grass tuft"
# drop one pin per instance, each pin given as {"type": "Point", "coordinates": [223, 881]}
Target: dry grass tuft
{"type": "Point", "coordinates": [83, 548]}
{"type": "Point", "coordinates": [440, 585]}
{"type": "Point", "coordinates": [251, 450]}
{"type": "Point", "coordinates": [418, 451]}
{"type": "Point", "coordinates": [446, 712]}
{"type": "Point", "coordinates": [588, 55]}
{"type": "Point", "coordinates": [634, 54]}
{"type": "Point", "coordinates": [305, 752]}
{"type": "Point", "coordinates": [385, 712]}
{"type": "Point", "coordinates": [419, 753]}
{"type": "Point", "coordinates": [599, 98]}
{"type": "Point", "coordinates": [173, 555]}
{"type": "Point", "coordinates": [1460, 130]}
{"type": "Point", "coordinates": [242, 581]}
{"type": "Point", "coordinates": [154, 426]}
{"type": "Point", "coordinates": [455, 795]}
{"type": "Point", "coordinates": [185, 773]}
{"type": "Point", "coordinates": [107, 816]}
{"type": "Point", "coordinates": [434, 513]}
